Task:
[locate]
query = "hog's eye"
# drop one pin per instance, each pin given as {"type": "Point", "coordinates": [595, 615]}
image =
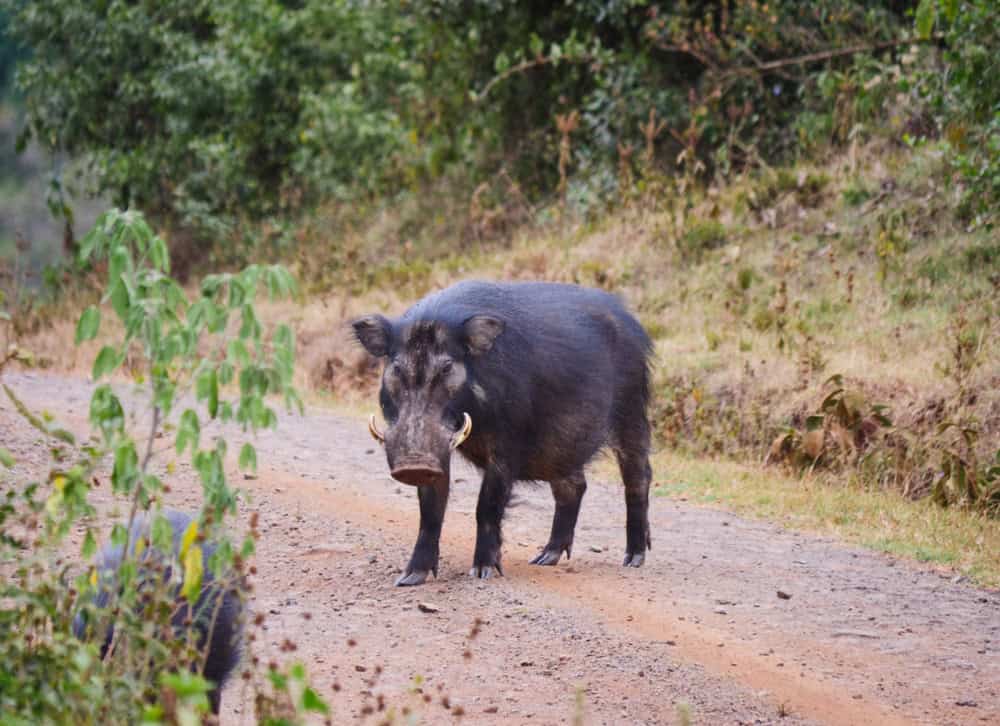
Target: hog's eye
{"type": "Point", "coordinates": [446, 367]}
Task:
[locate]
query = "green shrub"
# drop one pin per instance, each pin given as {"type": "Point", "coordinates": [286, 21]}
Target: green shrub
{"type": "Point", "coordinates": [965, 99]}
{"type": "Point", "coordinates": [702, 236]}
{"type": "Point", "coordinates": [46, 674]}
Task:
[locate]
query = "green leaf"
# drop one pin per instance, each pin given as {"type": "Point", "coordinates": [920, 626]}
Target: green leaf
{"type": "Point", "coordinates": [207, 389]}
{"type": "Point", "coordinates": [278, 680]}
{"type": "Point", "coordinates": [250, 326]}
{"type": "Point", "coordinates": [159, 256]}
{"type": "Point", "coordinates": [248, 458]}
{"type": "Point", "coordinates": [89, 545]}
{"type": "Point", "coordinates": [536, 44]}
{"type": "Point", "coordinates": [106, 411]}
{"type": "Point", "coordinates": [107, 361]}
{"type": "Point", "coordinates": [64, 436]}
{"type": "Point", "coordinates": [248, 548]}
{"type": "Point", "coordinates": [225, 373]}
{"type": "Point", "coordinates": [312, 702]}
{"type": "Point", "coordinates": [950, 9]}
{"type": "Point", "coordinates": [121, 300]}
{"type": "Point", "coordinates": [90, 322]}
{"type": "Point", "coordinates": [6, 458]}
{"type": "Point", "coordinates": [119, 263]}
{"type": "Point", "coordinates": [237, 352]}
{"type": "Point", "coordinates": [185, 684]}
{"type": "Point", "coordinates": [188, 431]}
{"type": "Point", "coordinates": [161, 533]}
{"type": "Point", "coordinates": [925, 18]}
{"type": "Point", "coordinates": [126, 467]}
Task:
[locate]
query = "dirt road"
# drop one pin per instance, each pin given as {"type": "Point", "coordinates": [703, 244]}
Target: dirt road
{"type": "Point", "coordinates": [701, 630]}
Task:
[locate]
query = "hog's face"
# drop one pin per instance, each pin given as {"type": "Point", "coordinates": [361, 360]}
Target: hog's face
{"type": "Point", "coordinates": [425, 391]}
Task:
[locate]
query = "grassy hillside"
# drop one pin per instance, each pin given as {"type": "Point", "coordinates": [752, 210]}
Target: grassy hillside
{"type": "Point", "coordinates": [831, 316]}
{"type": "Point", "coordinates": [831, 322]}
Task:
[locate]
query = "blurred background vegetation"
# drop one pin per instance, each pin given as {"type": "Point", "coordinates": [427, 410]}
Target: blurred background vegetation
{"type": "Point", "coordinates": [212, 115]}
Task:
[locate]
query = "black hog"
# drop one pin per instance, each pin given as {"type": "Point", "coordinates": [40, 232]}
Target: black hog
{"type": "Point", "coordinates": [224, 639]}
{"type": "Point", "coordinates": [528, 381]}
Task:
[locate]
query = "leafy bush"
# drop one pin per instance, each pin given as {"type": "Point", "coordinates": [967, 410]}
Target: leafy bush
{"type": "Point", "coordinates": [205, 113]}
{"type": "Point", "coordinates": [174, 346]}
{"type": "Point", "coordinates": [961, 87]}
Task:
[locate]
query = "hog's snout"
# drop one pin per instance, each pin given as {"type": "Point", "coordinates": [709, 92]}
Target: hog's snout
{"type": "Point", "coordinates": [418, 470]}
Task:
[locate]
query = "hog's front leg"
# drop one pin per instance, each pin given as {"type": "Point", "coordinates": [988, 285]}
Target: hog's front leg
{"type": "Point", "coordinates": [433, 501]}
{"type": "Point", "coordinates": [494, 494]}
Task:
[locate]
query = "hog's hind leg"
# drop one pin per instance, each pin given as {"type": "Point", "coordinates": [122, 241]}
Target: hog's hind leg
{"type": "Point", "coordinates": [424, 561]}
{"type": "Point", "coordinates": [568, 494]}
{"type": "Point", "coordinates": [633, 460]}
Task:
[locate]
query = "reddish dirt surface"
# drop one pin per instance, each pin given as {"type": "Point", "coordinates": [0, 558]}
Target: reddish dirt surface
{"type": "Point", "coordinates": [862, 639]}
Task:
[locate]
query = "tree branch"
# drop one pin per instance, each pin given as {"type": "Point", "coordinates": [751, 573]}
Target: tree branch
{"type": "Point", "coordinates": [800, 59]}
{"type": "Point", "coordinates": [527, 65]}
{"type": "Point", "coordinates": [839, 52]}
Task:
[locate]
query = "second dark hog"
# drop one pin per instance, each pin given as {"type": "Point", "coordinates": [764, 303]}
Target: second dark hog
{"type": "Point", "coordinates": [219, 624]}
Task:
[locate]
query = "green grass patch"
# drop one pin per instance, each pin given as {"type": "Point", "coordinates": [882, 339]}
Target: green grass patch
{"type": "Point", "coordinates": [884, 521]}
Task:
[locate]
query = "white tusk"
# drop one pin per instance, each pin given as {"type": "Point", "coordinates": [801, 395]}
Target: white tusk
{"type": "Point", "coordinates": [463, 433]}
{"type": "Point", "coordinates": [373, 430]}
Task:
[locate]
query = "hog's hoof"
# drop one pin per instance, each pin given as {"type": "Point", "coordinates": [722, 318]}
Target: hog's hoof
{"type": "Point", "coordinates": [485, 572]}
{"type": "Point", "coordinates": [634, 560]}
{"type": "Point", "coordinates": [549, 556]}
{"type": "Point", "coordinates": [412, 577]}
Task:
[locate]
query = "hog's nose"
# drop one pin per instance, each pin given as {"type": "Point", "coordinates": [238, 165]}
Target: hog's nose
{"type": "Point", "coordinates": [418, 471]}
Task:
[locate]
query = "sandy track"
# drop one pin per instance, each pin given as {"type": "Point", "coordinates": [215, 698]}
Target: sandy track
{"type": "Point", "coordinates": [862, 639]}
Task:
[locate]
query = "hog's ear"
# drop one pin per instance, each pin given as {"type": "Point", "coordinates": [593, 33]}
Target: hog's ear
{"type": "Point", "coordinates": [373, 333]}
{"type": "Point", "coordinates": [480, 332]}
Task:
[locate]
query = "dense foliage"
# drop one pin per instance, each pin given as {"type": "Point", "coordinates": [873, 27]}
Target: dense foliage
{"type": "Point", "coordinates": [965, 99]}
{"type": "Point", "coordinates": [204, 113]}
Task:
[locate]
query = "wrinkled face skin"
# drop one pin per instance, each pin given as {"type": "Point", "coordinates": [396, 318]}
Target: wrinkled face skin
{"type": "Point", "coordinates": [420, 386]}
{"type": "Point", "coordinates": [424, 386]}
